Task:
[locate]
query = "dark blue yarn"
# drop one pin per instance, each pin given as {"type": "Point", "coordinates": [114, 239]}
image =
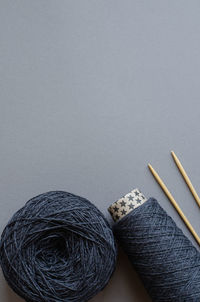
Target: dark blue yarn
{"type": "Point", "coordinates": [163, 256]}
{"type": "Point", "coordinates": [57, 248]}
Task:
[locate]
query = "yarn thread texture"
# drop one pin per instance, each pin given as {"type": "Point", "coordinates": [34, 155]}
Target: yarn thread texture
{"type": "Point", "coordinates": [165, 259]}
{"type": "Point", "coordinates": [57, 248]}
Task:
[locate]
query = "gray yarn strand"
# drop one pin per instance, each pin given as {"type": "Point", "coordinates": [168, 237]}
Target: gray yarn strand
{"type": "Point", "coordinates": [57, 248]}
{"type": "Point", "coordinates": [163, 256]}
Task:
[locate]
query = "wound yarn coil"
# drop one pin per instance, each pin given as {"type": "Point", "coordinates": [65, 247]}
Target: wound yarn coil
{"type": "Point", "coordinates": [58, 247]}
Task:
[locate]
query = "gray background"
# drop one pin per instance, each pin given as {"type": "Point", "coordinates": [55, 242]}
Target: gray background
{"type": "Point", "coordinates": [90, 92]}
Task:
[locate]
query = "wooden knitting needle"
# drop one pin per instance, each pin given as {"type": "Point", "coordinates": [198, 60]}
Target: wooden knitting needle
{"type": "Point", "coordinates": [186, 178]}
{"type": "Point", "coordinates": [174, 203]}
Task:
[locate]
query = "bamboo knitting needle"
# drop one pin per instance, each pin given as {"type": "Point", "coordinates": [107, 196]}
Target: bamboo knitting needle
{"type": "Point", "coordinates": [186, 178]}
{"type": "Point", "coordinates": [174, 203]}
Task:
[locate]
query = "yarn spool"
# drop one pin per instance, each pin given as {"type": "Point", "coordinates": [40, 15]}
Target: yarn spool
{"type": "Point", "coordinates": [165, 259]}
{"type": "Point", "coordinates": [58, 247]}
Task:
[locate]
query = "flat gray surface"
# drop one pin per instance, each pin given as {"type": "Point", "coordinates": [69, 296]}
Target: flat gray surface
{"type": "Point", "coordinates": [90, 92]}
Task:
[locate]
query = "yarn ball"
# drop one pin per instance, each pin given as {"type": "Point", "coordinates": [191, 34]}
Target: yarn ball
{"type": "Point", "coordinates": [165, 259]}
{"type": "Point", "coordinates": [58, 247]}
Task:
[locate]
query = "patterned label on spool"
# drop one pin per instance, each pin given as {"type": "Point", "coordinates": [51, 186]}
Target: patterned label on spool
{"type": "Point", "coordinates": [126, 204]}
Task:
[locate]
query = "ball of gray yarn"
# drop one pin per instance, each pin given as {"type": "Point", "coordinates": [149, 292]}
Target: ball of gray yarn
{"type": "Point", "coordinates": [58, 247]}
